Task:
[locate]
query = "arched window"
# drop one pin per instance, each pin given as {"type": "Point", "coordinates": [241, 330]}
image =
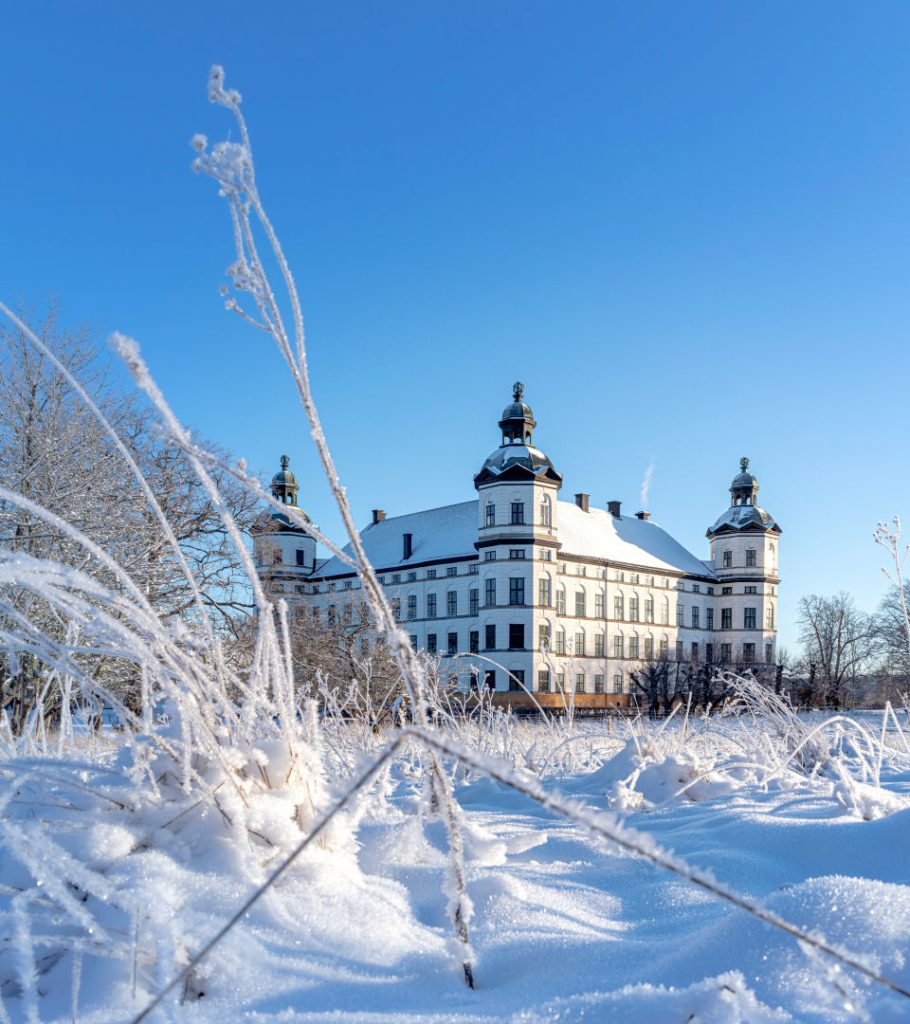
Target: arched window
{"type": "Point", "coordinates": [546, 511]}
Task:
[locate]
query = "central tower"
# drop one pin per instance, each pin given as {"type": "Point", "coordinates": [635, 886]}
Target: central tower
{"type": "Point", "coordinates": [517, 489]}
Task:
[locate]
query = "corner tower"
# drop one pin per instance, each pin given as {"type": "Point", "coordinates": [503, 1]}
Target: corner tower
{"type": "Point", "coordinates": [744, 553]}
{"type": "Point", "coordinates": [283, 549]}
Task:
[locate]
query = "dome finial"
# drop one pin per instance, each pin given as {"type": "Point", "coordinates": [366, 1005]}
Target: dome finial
{"type": "Point", "coordinates": [285, 462]}
{"type": "Point", "coordinates": [744, 463]}
{"type": "Point", "coordinates": [518, 389]}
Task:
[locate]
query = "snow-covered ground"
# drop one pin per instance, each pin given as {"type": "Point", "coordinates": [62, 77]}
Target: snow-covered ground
{"type": "Point", "coordinates": [101, 905]}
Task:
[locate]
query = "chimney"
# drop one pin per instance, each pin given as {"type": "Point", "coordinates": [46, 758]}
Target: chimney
{"type": "Point", "coordinates": [613, 509]}
{"type": "Point", "coordinates": [408, 545]}
{"type": "Point", "coordinates": [583, 501]}
{"type": "Point", "coordinates": [642, 515]}
{"type": "Point", "coordinates": [378, 515]}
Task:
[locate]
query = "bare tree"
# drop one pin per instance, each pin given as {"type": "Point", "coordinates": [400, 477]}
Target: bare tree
{"type": "Point", "coordinates": [839, 642]}
{"type": "Point", "coordinates": [892, 633]}
{"type": "Point", "coordinates": [55, 454]}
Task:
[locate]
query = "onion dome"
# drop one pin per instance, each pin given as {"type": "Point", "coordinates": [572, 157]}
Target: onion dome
{"type": "Point", "coordinates": [744, 488]}
{"type": "Point", "coordinates": [284, 488]}
{"type": "Point", "coordinates": [516, 458]}
{"type": "Point", "coordinates": [517, 423]}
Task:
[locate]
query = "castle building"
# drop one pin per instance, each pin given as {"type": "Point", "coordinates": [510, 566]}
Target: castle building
{"type": "Point", "coordinates": [520, 591]}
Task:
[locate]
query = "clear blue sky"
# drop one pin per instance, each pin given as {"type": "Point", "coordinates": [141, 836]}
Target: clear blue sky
{"type": "Point", "coordinates": [685, 226]}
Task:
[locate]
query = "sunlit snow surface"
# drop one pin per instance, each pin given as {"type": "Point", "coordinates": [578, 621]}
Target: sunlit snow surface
{"type": "Point", "coordinates": [565, 928]}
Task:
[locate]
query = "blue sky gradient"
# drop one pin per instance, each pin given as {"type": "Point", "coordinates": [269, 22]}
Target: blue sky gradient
{"type": "Point", "coordinates": [685, 226]}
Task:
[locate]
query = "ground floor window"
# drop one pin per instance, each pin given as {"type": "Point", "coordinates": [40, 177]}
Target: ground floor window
{"type": "Point", "coordinates": [617, 683]}
{"type": "Point", "coordinates": [516, 680]}
{"type": "Point", "coordinates": [580, 682]}
{"type": "Point", "coordinates": [543, 680]}
{"type": "Point", "coordinates": [489, 679]}
{"type": "Point", "coordinates": [598, 684]}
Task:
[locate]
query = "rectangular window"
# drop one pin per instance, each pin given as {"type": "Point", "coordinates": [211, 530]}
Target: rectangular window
{"type": "Point", "coordinates": [543, 680]}
{"type": "Point", "coordinates": [726, 653]}
{"type": "Point", "coordinates": [561, 601]}
{"type": "Point", "coordinates": [474, 641]}
{"type": "Point", "coordinates": [748, 653]}
{"type": "Point", "coordinates": [453, 643]}
{"type": "Point", "coordinates": [649, 647]}
{"type": "Point", "coordinates": [452, 603]}
{"type": "Point", "coordinates": [451, 570]}
{"type": "Point", "coordinates": [561, 682]}
{"type": "Point", "coordinates": [769, 653]}
{"type": "Point", "coordinates": [516, 636]}
{"type": "Point", "coordinates": [560, 644]}
{"type": "Point", "coordinates": [769, 617]}
{"type": "Point", "coordinates": [726, 590]}
{"type": "Point", "coordinates": [598, 684]}
{"type": "Point", "coordinates": [396, 578]}
{"type": "Point", "coordinates": [473, 600]}
{"type": "Point", "coordinates": [748, 618]}
{"type": "Point", "coordinates": [543, 592]}
{"type": "Point", "coordinates": [518, 513]}
{"type": "Point", "coordinates": [516, 679]}
{"type": "Point", "coordinates": [598, 645]}
{"type": "Point", "coordinates": [516, 590]}
{"type": "Point", "coordinates": [617, 607]}
{"type": "Point", "coordinates": [580, 644]}
{"type": "Point", "coordinates": [472, 569]}
{"type": "Point", "coordinates": [300, 556]}
{"type": "Point", "coordinates": [580, 604]}
{"type": "Point", "coordinates": [489, 595]}
{"type": "Point", "coordinates": [695, 616]}
{"type": "Point", "coordinates": [412, 577]}
{"type": "Point", "coordinates": [543, 636]}
{"type": "Point", "coordinates": [489, 638]}
{"type": "Point", "coordinates": [633, 646]}
{"type": "Point", "coordinates": [489, 679]}
{"type": "Point", "coordinates": [490, 518]}
{"type": "Point", "coordinates": [598, 606]}
{"type": "Point", "coordinates": [680, 615]}
{"type": "Point", "coordinates": [412, 638]}
{"type": "Point", "coordinates": [649, 609]}
{"type": "Point", "coordinates": [679, 650]}
{"type": "Point", "coordinates": [633, 609]}
{"type": "Point", "coordinates": [580, 682]}
{"type": "Point", "coordinates": [431, 574]}
{"type": "Point", "coordinates": [696, 588]}
{"type": "Point", "coordinates": [431, 643]}
{"type": "Point", "coordinates": [489, 556]}
{"type": "Point", "coordinates": [412, 606]}
{"type": "Point", "coordinates": [617, 646]}
{"type": "Point", "coordinates": [709, 653]}
{"type": "Point", "coordinates": [750, 557]}
{"type": "Point", "coordinates": [750, 590]}
{"type": "Point", "coordinates": [726, 618]}
{"type": "Point", "coordinates": [617, 683]}
{"type": "Point", "coordinates": [431, 606]}
{"type": "Point", "coordinates": [396, 609]}
{"type": "Point", "coordinates": [694, 651]}
{"type": "Point", "coordinates": [709, 616]}
{"type": "Point", "coordinates": [664, 648]}
{"type": "Point", "coordinates": [728, 559]}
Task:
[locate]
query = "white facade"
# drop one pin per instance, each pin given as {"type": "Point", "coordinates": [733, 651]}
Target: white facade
{"type": "Point", "coordinates": [517, 588]}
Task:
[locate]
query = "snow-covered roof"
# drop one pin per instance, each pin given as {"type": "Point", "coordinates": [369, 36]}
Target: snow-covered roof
{"type": "Point", "coordinates": [438, 533]}
{"type": "Point", "coordinates": [450, 532]}
{"type": "Point", "coordinates": [739, 517]}
{"type": "Point", "coordinates": [628, 539]}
